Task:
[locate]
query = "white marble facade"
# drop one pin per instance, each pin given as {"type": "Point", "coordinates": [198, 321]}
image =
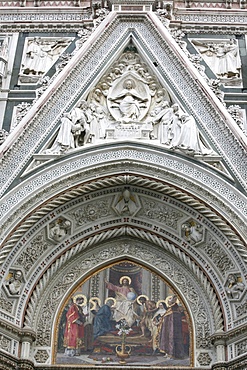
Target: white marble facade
{"type": "Point", "coordinates": [122, 150]}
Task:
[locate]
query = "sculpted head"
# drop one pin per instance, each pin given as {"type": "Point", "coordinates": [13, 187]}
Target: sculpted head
{"type": "Point", "coordinates": [129, 84]}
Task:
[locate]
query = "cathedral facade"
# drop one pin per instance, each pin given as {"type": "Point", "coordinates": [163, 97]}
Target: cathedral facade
{"type": "Point", "coordinates": [123, 184]}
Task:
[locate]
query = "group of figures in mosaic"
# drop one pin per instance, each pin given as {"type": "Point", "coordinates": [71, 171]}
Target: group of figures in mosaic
{"type": "Point", "coordinates": [149, 327]}
{"type": "Point", "coordinates": [129, 102]}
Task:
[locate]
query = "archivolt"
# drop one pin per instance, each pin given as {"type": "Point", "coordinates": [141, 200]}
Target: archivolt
{"type": "Point", "coordinates": [130, 179]}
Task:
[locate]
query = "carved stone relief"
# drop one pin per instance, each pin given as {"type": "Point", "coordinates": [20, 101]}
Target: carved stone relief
{"type": "Point", "coordinates": [48, 119]}
{"type": "Point", "coordinates": [14, 283]}
{"type": "Point", "coordinates": [160, 213]}
{"type": "Point", "coordinates": [39, 55]}
{"type": "Point", "coordinates": [129, 103]}
{"type": "Point", "coordinates": [239, 116]}
{"type": "Point", "coordinates": [32, 252]}
{"type": "Point", "coordinates": [97, 211]}
{"type": "Point", "coordinates": [234, 286]}
{"type": "Point", "coordinates": [241, 309]}
{"type": "Point", "coordinates": [91, 212]}
{"type": "Point", "coordinates": [241, 348]}
{"type": "Point", "coordinates": [6, 304]}
{"type": "Point", "coordinates": [127, 203]}
{"type": "Point", "coordinates": [5, 343]}
{"type": "Point", "coordinates": [223, 58]}
{"type": "Point", "coordinates": [41, 356]}
{"type": "Point", "coordinates": [59, 229]}
{"type": "Point", "coordinates": [204, 359]}
{"type": "Point", "coordinates": [220, 258]}
{"type": "Point", "coordinates": [193, 232]}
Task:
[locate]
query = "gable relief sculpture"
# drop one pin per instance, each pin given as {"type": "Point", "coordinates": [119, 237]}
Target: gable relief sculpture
{"type": "Point", "coordinates": [223, 57]}
{"type": "Point", "coordinates": [129, 103]}
{"type": "Point", "coordinates": [39, 54]}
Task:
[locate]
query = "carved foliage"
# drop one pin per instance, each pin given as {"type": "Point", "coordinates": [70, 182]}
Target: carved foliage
{"type": "Point", "coordinates": [5, 343]}
{"type": "Point", "coordinates": [91, 212]}
{"type": "Point", "coordinates": [204, 359]}
{"type": "Point", "coordinates": [33, 251]}
{"type": "Point", "coordinates": [161, 213]}
{"type": "Point", "coordinates": [241, 348]}
{"type": "Point", "coordinates": [219, 257]}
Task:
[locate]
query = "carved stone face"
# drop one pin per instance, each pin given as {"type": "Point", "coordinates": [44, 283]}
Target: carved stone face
{"type": "Point", "coordinates": [18, 275]}
{"type": "Point", "coordinates": [128, 84]}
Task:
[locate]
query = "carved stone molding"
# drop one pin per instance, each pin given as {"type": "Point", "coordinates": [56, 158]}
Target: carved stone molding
{"type": "Point", "coordinates": [184, 196]}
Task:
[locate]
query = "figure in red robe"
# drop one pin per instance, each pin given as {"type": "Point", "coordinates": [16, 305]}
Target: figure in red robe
{"type": "Point", "coordinates": [74, 330]}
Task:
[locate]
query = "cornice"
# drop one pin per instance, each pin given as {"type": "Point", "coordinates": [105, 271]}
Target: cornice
{"type": "Point", "coordinates": [224, 337]}
{"type": "Point", "coordinates": [24, 334]}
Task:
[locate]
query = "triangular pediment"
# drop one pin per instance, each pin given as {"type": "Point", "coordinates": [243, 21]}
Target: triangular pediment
{"type": "Point", "coordinates": [128, 102]}
{"type": "Point", "coordinates": [156, 65]}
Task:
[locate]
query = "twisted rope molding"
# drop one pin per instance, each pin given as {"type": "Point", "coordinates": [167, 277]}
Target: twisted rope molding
{"type": "Point", "coordinates": [30, 314]}
{"type": "Point", "coordinates": [39, 289]}
{"type": "Point", "coordinates": [154, 185]}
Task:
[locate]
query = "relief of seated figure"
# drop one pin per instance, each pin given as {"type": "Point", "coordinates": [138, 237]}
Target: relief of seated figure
{"type": "Point", "coordinates": [128, 101]}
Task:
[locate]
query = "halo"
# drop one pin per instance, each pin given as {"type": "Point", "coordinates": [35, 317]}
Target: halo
{"type": "Point", "coordinates": [111, 299]}
{"type": "Point", "coordinates": [93, 301]}
{"type": "Point", "coordinates": [80, 296]}
{"type": "Point", "coordinates": [140, 296]}
{"type": "Point", "coordinates": [168, 298]}
{"type": "Point", "coordinates": [132, 82]}
{"type": "Point", "coordinates": [162, 301]}
{"type": "Point", "coordinates": [125, 277]}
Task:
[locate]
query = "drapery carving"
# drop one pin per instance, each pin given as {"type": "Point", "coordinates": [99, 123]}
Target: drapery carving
{"type": "Point", "coordinates": [129, 103]}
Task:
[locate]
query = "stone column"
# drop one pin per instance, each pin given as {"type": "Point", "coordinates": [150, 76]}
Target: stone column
{"type": "Point", "coordinates": [27, 338]}
{"type": "Point", "coordinates": [218, 339]}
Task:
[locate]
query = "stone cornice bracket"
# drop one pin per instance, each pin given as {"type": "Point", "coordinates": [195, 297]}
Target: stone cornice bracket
{"type": "Point", "coordinates": [28, 335]}
{"type": "Point", "coordinates": [220, 337]}
{"type": "Point", "coordinates": [25, 334]}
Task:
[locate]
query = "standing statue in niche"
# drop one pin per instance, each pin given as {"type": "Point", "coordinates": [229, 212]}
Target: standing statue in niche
{"type": "Point", "coordinates": [4, 51]}
{"type": "Point", "coordinates": [229, 63]}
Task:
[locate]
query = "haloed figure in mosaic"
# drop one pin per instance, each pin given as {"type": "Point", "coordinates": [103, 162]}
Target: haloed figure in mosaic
{"type": "Point", "coordinates": [74, 330]}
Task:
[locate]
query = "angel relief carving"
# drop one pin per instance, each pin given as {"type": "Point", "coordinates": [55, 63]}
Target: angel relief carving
{"type": "Point", "coordinates": [129, 103]}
